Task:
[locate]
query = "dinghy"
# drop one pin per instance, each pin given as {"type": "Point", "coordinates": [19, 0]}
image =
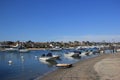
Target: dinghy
{"type": "Point", "coordinates": [64, 65]}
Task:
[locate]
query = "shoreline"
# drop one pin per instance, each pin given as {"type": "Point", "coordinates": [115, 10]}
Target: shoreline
{"type": "Point", "coordinates": [81, 70]}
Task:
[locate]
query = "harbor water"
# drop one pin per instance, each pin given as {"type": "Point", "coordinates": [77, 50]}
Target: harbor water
{"type": "Point", "coordinates": [27, 66]}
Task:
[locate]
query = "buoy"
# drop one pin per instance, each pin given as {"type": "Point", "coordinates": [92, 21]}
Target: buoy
{"type": "Point", "coordinates": [10, 62]}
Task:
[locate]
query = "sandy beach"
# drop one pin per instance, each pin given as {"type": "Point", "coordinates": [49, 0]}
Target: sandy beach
{"type": "Point", "coordinates": [102, 67]}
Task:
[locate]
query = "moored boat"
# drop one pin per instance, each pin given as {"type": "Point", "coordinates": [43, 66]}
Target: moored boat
{"type": "Point", "coordinates": [64, 65]}
{"type": "Point", "coordinates": [55, 49]}
{"type": "Point", "coordinates": [11, 49]}
{"type": "Point", "coordinates": [23, 50]}
{"type": "Point", "coordinates": [46, 58]}
{"type": "Point", "coordinates": [71, 54]}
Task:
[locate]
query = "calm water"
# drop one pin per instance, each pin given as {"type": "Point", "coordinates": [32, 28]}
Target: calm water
{"type": "Point", "coordinates": [27, 66]}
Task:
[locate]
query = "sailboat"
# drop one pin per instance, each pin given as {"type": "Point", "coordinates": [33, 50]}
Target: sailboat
{"type": "Point", "coordinates": [23, 50]}
{"type": "Point", "coordinates": [12, 48]}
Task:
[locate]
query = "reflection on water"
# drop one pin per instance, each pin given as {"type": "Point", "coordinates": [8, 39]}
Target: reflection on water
{"type": "Point", "coordinates": [27, 66]}
{"type": "Point", "coordinates": [22, 66]}
{"type": "Point", "coordinates": [49, 63]}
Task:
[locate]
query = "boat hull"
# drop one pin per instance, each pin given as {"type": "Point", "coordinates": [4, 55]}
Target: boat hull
{"type": "Point", "coordinates": [11, 49]}
{"type": "Point", "coordinates": [47, 58]}
{"type": "Point", "coordinates": [64, 65]}
{"type": "Point", "coordinates": [23, 50]}
{"type": "Point", "coordinates": [72, 54]}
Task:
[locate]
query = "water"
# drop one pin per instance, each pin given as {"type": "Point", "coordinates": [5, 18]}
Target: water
{"type": "Point", "coordinates": [24, 65]}
{"type": "Point", "coordinates": [27, 66]}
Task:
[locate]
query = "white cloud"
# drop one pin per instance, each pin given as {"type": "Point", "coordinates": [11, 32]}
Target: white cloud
{"type": "Point", "coordinates": [108, 38]}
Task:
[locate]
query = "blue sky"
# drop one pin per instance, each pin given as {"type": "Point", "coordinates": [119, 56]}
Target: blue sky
{"type": "Point", "coordinates": [60, 20]}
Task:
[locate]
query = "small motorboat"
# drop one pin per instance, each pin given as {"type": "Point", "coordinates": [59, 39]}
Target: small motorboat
{"type": "Point", "coordinates": [71, 54]}
{"type": "Point", "coordinates": [64, 65]}
{"type": "Point", "coordinates": [49, 57]}
{"type": "Point", "coordinates": [46, 58]}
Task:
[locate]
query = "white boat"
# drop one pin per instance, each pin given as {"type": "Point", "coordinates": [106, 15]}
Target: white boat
{"type": "Point", "coordinates": [16, 46]}
{"type": "Point", "coordinates": [47, 58]}
{"type": "Point", "coordinates": [11, 49]}
{"type": "Point", "coordinates": [55, 49]}
{"type": "Point", "coordinates": [23, 50]}
{"type": "Point", "coordinates": [48, 62]}
{"type": "Point", "coordinates": [71, 54]}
